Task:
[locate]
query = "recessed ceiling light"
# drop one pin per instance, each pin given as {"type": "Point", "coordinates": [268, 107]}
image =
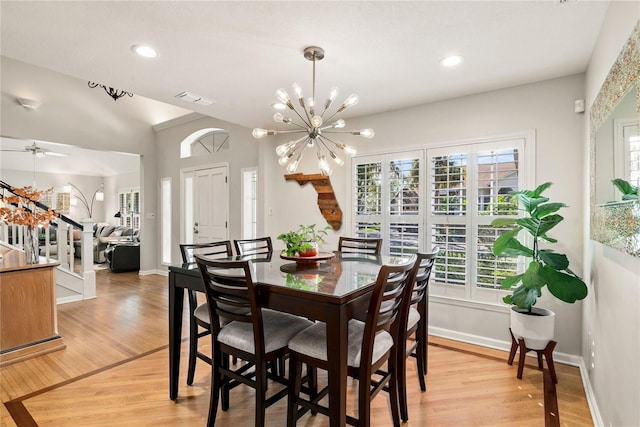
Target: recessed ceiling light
{"type": "Point", "coordinates": [451, 61]}
{"type": "Point", "coordinates": [146, 51]}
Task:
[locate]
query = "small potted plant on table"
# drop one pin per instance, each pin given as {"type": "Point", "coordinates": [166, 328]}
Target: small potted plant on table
{"type": "Point", "coordinates": [304, 241]}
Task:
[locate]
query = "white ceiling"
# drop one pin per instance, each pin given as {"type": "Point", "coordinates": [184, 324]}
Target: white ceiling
{"type": "Point", "coordinates": [238, 53]}
{"type": "Point", "coordinates": [79, 161]}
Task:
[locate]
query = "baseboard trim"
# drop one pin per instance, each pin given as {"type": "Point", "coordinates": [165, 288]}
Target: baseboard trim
{"type": "Point", "coordinates": [591, 397]}
{"type": "Point", "coordinates": [71, 298]}
{"type": "Point", "coordinates": [154, 271]}
{"type": "Point", "coordinates": [567, 359]}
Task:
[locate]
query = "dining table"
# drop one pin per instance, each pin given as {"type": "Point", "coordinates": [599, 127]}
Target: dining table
{"type": "Point", "coordinates": [333, 288]}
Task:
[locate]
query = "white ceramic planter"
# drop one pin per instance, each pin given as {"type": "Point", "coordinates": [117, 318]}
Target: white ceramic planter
{"type": "Point", "coordinates": [537, 329]}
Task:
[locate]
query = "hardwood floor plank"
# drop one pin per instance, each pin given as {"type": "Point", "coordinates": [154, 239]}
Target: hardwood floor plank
{"type": "Point", "coordinates": [115, 372]}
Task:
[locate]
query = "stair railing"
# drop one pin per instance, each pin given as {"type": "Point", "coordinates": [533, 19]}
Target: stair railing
{"type": "Point", "coordinates": [64, 245]}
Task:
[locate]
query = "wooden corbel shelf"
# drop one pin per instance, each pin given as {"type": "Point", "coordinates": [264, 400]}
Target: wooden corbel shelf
{"type": "Point", "coordinates": [326, 197]}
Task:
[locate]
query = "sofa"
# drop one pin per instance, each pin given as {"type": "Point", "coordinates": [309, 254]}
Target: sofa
{"type": "Point", "coordinates": [103, 234]}
{"type": "Point", "coordinates": [123, 257]}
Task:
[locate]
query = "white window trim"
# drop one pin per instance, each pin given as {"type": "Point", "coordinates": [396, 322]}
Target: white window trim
{"type": "Point", "coordinates": [385, 215]}
{"type": "Point", "coordinates": [131, 190]}
{"type": "Point", "coordinates": [470, 293]}
{"type": "Point", "coordinates": [527, 178]}
{"type": "Point", "coordinates": [165, 202]}
{"type": "Point", "coordinates": [621, 159]}
{"type": "Point", "coordinates": [243, 197]}
{"type": "Point", "coordinates": [350, 207]}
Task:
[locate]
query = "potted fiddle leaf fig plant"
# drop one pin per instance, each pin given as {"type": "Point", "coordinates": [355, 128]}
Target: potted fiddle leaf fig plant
{"type": "Point", "coordinates": [628, 190]}
{"type": "Point", "coordinates": [304, 241]}
{"type": "Point", "coordinates": [546, 267]}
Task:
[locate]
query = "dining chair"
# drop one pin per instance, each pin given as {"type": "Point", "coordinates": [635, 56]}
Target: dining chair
{"type": "Point", "coordinates": [360, 245]}
{"type": "Point", "coordinates": [256, 335]}
{"type": "Point", "coordinates": [371, 344]}
{"type": "Point", "coordinates": [199, 314]}
{"type": "Point", "coordinates": [413, 325]}
{"type": "Point", "coordinates": [260, 245]}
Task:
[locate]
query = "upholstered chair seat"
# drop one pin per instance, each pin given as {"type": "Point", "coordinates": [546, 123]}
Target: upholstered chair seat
{"type": "Point", "coordinates": [312, 342]}
{"type": "Point", "coordinates": [279, 328]}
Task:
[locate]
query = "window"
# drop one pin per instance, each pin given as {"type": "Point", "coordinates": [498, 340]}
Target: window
{"type": "Point", "coordinates": [249, 203]}
{"type": "Point", "coordinates": [626, 149]}
{"type": "Point", "coordinates": [632, 153]}
{"type": "Point", "coordinates": [448, 200]}
{"type": "Point", "coordinates": [129, 208]}
{"type": "Point", "coordinates": [204, 142]}
{"type": "Point", "coordinates": [387, 200]}
{"type": "Point", "coordinates": [165, 202]}
{"type": "Point", "coordinates": [469, 187]}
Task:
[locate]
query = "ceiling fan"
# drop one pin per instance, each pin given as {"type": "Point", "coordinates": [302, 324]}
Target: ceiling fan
{"type": "Point", "coordinates": [36, 151]}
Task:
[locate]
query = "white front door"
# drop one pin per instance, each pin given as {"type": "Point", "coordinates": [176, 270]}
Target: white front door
{"type": "Point", "coordinates": [210, 205]}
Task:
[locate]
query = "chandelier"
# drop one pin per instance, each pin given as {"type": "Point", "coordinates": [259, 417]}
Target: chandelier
{"type": "Point", "coordinates": [316, 129]}
{"type": "Point", "coordinates": [112, 92]}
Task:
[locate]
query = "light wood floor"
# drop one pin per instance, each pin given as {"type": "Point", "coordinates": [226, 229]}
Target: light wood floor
{"type": "Point", "coordinates": [114, 372]}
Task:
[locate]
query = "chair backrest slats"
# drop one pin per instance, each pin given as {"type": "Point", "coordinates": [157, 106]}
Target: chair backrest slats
{"type": "Point", "coordinates": [422, 274]}
{"type": "Point", "coordinates": [388, 292]}
{"type": "Point", "coordinates": [220, 249]}
{"type": "Point", "coordinates": [261, 245]}
{"type": "Point", "coordinates": [418, 287]}
{"type": "Point", "coordinates": [360, 245]}
{"type": "Point", "coordinates": [231, 296]}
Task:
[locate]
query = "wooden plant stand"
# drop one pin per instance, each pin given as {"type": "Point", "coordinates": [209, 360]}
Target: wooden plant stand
{"type": "Point", "coordinates": [547, 351]}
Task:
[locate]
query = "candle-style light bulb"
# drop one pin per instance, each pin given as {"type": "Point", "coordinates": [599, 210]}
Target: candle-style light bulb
{"type": "Point", "coordinates": [332, 95]}
{"type": "Point", "coordinates": [298, 91]}
{"type": "Point", "coordinates": [284, 160]}
{"type": "Point", "coordinates": [336, 159]}
{"type": "Point", "coordinates": [367, 133]}
{"type": "Point", "coordinates": [259, 133]}
{"type": "Point", "coordinates": [283, 149]}
{"type": "Point", "coordinates": [316, 121]}
{"type": "Point", "coordinates": [283, 96]}
{"type": "Point", "coordinates": [339, 124]}
{"type": "Point", "coordinates": [323, 165]}
{"type": "Point", "coordinates": [293, 166]}
{"type": "Point", "coordinates": [349, 102]}
{"type": "Point", "coordinates": [351, 151]}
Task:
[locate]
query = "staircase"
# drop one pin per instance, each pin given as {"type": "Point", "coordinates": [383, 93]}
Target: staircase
{"type": "Point", "coordinates": [72, 284]}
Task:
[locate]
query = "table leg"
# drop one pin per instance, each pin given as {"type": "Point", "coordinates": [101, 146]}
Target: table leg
{"type": "Point", "coordinates": [176, 303]}
{"type": "Point", "coordinates": [337, 333]}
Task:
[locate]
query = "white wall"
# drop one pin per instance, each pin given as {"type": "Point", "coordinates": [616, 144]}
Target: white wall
{"type": "Point", "coordinates": [611, 321]}
{"type": "Point", "coordinates": [546, 107]}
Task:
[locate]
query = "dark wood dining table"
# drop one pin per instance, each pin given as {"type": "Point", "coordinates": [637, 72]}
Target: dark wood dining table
{"type": "Point", "coordinates": [334, 291]}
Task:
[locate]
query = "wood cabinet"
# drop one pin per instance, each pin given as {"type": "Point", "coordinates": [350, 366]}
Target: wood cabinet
{"type": "Point", "coordinates": [28, 313]}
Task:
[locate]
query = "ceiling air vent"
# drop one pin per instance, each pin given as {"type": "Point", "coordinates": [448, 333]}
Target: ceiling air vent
{"type": "Point", "coordinates": [196, 99]}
